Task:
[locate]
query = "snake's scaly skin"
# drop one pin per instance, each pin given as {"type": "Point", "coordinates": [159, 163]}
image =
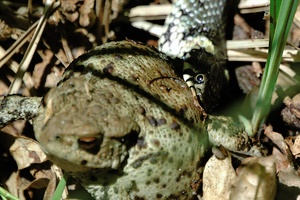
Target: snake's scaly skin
{"type": "Point", "coordinates": [195, 32]}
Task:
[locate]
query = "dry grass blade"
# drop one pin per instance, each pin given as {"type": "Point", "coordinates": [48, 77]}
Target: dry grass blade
{"type": "Point", "coordinates": [149, 12]}
{"type": "Point", "coordinates": [260, 55]}
{"type": "Point", "coordinates": [65, 45]}
{"type": "Point", "coordinates": [248, 43]}
{"type": "Point", "coordinates": [13, 65]}
{"type": "Point", "coordinates": [153, 29]}
{"type": "Point", "coordinates": [8, 14]}
{"type": "Point", "coordinates": [50, 6]}
{"type": "Point", "coordinates": [17, 45]}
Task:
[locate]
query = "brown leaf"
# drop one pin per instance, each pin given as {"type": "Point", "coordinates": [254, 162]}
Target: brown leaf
{"type": "Point", "coordinates": [279, 141]}
{"type": "Point", "coordinates": [256, 180]}
{"type": "Point", "coordinates": [218, 177]}
{"type": "Point", "coordinates": [282, 163]}
{"type": "Point", "coordinates": [42, 178]}
{"type": "Point", "coordinates": [295, 146]}
{"type": "Point", "coordinates": [55, 172]}
{"type": "Point", "coordinates": [11, 184]}
{"type": "Point", "coordinates": [284, 159]}
{"type": "Point", "coordinates": [285, 169]}
{"type": "Point", "coordinates": [27, 151]}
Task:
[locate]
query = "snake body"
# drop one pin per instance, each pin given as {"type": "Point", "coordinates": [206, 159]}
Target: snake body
{"type": "Point", "coordinates": [195, 32]}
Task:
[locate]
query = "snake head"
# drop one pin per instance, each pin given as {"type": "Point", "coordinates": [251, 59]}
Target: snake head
{"type": "Point", "coordinates": [195, 32]}
{"type": "Point", "coordinates": [210, 76]}
{"type": "Point", "coordinates": [206, 74]}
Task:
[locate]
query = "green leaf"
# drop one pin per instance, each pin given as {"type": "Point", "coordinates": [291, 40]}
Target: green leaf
{"type": "Point", "coordinates": [281, 23]}
{"type": "Point", "coordinates": [61, 186]}
{"type": "Point", "coordinates": [4, 194]}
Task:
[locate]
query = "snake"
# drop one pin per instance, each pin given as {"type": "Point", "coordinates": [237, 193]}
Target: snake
{"type": "Point", "coordinates": [194, 32]}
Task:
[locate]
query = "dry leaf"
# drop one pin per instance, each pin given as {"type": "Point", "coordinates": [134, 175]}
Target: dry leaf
{"type": "Point", "coordinates": [27, 151]}
{"type": "Point", "coordinates": [218, 177]}
{"type": "Point", "coordinates": [284, 158]}
{"type": "Point", "coordinates": [256, 180]}
{"type": "Point", "coordinates": [278, 140]}
{"type": "Point", "coordinates": [11, 184]}
{"type": "Point", "coordinates": [295, 146]}
{"type": "Point", "coordinates": [285, 169]}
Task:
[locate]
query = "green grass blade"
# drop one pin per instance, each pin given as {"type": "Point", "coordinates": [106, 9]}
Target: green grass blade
{"type": "Point", "coordinates": [283, 24]}
{"type": "Point", "coordinates": [61, 186]}
{"type": "Point", "coordinates": [6, 195]}
{"type": "Point", "coordinates": [274, 11]}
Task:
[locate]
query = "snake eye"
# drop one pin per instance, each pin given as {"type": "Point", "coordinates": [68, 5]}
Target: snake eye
{"type": "Point", "coordinates": [200, 78]}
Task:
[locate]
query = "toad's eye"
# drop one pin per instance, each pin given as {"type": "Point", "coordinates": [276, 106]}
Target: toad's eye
{"type": "Point", "coordinates": [90, 144]}
{"type": "Point", "coordinates": [200, 79]}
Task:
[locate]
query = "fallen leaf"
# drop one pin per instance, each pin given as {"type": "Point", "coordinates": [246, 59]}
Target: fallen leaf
{"type": "Point", "coordinates": [285, 169]}
{"type": "Point", "coordinates": [279, 141]}
{"type": "Point", "coordinates": [27, 151]}
{"type": "Point", "coordinates": [218, 177]}
{"type": "Point", "coordinates": [11, 184]}
{"type": "Point", "coordinates": [256, 180]}
{"type": "Point", "coordinates": [295, 146]}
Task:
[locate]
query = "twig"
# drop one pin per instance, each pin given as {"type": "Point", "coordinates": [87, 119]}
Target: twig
{"type": "Point", "coordinates": [15, 107]}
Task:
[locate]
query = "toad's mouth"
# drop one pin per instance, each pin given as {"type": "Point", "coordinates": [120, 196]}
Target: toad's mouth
{"type": "Point", "coordinates": [93, 152]}
{"type": "Point", "coordinates": [82, 145]}
{"type": "Point", "coordinates": [106, 147]}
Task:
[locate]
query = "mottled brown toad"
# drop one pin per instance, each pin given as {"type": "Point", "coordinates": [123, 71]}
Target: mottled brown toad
{"type": "Point", "coordinates": [125, 125]}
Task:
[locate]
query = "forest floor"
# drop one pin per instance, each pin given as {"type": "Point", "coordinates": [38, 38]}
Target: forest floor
{"type": "Point", "coordinates": [75, 27]}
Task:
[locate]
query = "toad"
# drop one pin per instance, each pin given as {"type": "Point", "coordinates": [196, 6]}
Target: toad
{"type": "Point", "coordinates": [125, 125]}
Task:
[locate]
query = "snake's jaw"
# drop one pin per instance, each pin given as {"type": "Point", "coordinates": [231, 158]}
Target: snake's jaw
{"type": "Point", "coordinates": [207, 81]}
{"type": "Point", "coordinates": [195, 81]}
{"type": "Point", "coordinates": [195, 32]}
{"type": "Point", "coordinates": [216, 82]}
